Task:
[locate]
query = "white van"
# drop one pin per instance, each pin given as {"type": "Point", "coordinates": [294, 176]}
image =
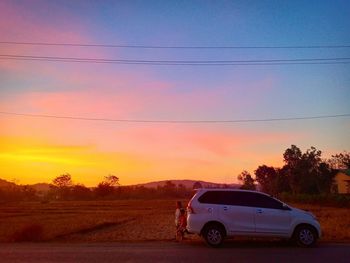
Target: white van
{"type": "Point", "coordinates": [219, 213]}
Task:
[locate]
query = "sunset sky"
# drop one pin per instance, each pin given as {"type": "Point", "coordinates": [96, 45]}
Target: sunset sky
{"type": "Point", "coordinates": [34, 149]}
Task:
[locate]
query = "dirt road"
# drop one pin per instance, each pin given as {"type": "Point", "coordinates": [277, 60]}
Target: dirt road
{"type": "Point", "coordinates": [170, 252]}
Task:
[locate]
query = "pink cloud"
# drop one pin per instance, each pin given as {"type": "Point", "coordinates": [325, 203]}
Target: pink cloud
{"type": "Point", "coordinates": [108, 95]}
{"type": "Point", "coordinates": [18, 24]}
{"type": "Point", "coordinates": [103, 90]}
{"type": "Point", "coordinates": [194, 140]}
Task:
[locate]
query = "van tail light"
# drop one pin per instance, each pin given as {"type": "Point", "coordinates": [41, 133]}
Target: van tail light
{"type": "Point", "coordinates": [190, 209]}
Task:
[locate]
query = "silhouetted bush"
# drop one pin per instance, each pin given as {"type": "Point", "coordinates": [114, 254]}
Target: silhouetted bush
{"type": "Point", "coordinates": [317, 199]}
{"type": "Point", "coordinates": [32, 233]}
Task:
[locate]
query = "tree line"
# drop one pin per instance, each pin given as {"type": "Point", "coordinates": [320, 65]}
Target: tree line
{"type": "Point", "coordinates": [109, 189]}
{"type": "Point", "coordinates": [302, 173]}
{"type": "Point", "coordinates": [62, 188]}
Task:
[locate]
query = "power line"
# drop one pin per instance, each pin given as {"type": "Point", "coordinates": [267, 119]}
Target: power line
{"type": "Point", "coordinates": [335, 60]}
{"type": "Point", "coordinates": [186, 64]}
{"type": "Point", "coordinates": [177, 121]}
{"type": "Point", "coordinates": [173, 47]}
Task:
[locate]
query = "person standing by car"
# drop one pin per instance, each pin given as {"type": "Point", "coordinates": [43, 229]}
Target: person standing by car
{"type": "Point", "coordinates": [177, 215]}
{"type": "Point", "coordinates": [181, 229]}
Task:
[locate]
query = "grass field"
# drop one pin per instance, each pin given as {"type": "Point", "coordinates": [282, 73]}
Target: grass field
{"type": "Point", "coordinates": [125, 220]}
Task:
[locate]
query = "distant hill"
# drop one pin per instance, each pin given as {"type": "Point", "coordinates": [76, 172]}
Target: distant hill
{"type": "Point", "coordinates": [6, 184]}
{"type": "Point", "coordinates": [187, 184]}
{"type": "Point", "coordinates": [40, 187]}
{"type": "Point", "coordinates": [44, 187]}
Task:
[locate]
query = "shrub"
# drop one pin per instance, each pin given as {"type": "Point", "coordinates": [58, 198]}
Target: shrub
{"type": "Point", "coordinates": [32, 232]}
{"type": "Point", "coordinates": [335, 200]}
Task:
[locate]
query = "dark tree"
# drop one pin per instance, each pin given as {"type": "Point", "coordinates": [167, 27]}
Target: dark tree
{"type": "Point", "coordinates": [107, 187]}
{"type": "Point", "coordinates": [169, 189]}
{"type": "Point", "coordinates": [181, 190]}
{"type": "Point", "coordinates": [340, 161]}
{"type": "Point", "coordinates": [169, 185]}
{"type": "Point", "coordinates": [81, 192]}
{"type": "Point", "coordinates": [28, 193]}
{"type": "Point", "coordinates": [325, 178]}
{"type": "Point", "coordinates": [247, 181]}
{"type": "Point", "coordinates": [62, 185]}
{"type": "Point", "coordinates": [104, 190]}
{"type": "Point", "coordinates": [64, 180]}
{"type": "Point", "coordinates": [282, 183]}
{"type": "Point", "coordinates": [292, 156]}
{"type": "Point", "coordinates": [197, 185]}
{"type": "Point", "coordinates": [306, 172]}
{"type": "Point", "coordinates": [267, 176]}
{"type": "Point", "coordinates": [112, 180]}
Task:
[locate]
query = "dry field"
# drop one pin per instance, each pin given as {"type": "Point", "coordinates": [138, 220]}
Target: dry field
{"type": "Point", "coordinates": [335, 221]}
{"type": "Point", "coordinates": [125, 220]}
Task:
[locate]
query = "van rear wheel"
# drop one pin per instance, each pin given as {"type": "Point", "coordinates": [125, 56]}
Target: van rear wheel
{"type": "Point", "coordinates": [214, 235]}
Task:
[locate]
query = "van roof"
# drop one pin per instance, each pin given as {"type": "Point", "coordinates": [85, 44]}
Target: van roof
{"type": "Point", "coordinates": [227, 189]}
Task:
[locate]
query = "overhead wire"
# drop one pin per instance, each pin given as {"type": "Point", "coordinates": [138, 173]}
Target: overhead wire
{"type": "Point", "coordinates": [297, 61]}
{"type": "Point", "coordinates": [335, 60]}
{"type": "Point", "coordinates": [176, 121]}
{"type": "Point", "coordinates": [173, 47]}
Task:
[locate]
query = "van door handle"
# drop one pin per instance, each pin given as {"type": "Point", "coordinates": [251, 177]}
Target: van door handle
{"type": "Point", "coordinates": [259, 211]}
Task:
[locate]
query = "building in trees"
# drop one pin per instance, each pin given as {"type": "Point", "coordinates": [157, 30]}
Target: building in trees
{"type": "Point", "coordinates": [342, 182]}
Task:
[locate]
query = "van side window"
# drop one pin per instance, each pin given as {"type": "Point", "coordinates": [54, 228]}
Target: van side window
{"type": "Point", "coordinates": [211, 197]}
{"type": "Point", "coordinates": [253, 200]}
{"type": "Point", "coordinates": [239, 199]}
{"type": "Point", "coordinates": [264, 201]}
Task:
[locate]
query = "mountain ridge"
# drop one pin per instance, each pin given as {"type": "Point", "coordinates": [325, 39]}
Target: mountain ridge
{"type": "Point", "coordinates": [188, 183]}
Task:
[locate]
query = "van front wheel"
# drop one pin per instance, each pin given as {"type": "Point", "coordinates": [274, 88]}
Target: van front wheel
{"type": "Point", "coordinates": [305, 236]}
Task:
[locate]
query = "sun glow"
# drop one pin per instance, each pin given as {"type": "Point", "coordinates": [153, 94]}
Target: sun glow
{"type": "Point", "coordinates": [29, 161]}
